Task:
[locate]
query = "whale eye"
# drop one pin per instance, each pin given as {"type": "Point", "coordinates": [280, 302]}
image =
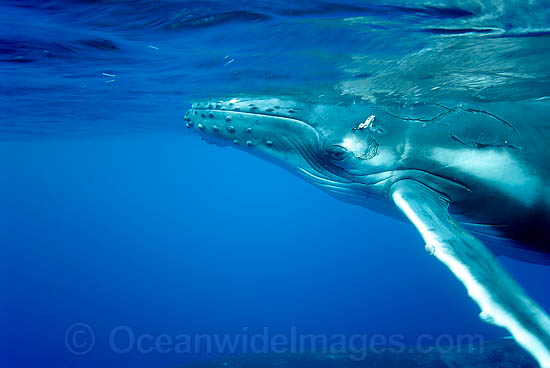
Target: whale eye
{"type": "Point", "coordinates": [336, 152]}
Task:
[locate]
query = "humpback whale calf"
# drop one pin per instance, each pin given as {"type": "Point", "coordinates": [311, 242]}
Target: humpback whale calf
{"type": "Point", "coordinates": [474, 179]}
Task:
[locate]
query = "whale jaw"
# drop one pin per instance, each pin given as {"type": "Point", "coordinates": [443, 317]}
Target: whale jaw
{"type": "Point", "coordinates": [270, 132]}
{"type": "Point", "coordinates": [277, 131]}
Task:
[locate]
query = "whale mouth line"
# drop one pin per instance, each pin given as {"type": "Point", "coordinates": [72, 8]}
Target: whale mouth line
{"type": "Point", "coordinates": [271, 114]}
{"type": "Point", "coordinates": [253, 113]}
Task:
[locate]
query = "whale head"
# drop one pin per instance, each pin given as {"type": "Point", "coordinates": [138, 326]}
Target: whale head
{"type": "Point", "coordinates": [333, 147]}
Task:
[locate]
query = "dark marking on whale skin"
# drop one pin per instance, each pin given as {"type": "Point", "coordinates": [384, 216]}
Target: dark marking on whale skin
{"type": "Point", "coordinates": [480, 145]}
{"type": "Point", "coordinates": [493, 116]}
{"type": "Point", "coordinates": [438, 117]}
{"type": "Point", "coordinates": [450, 110]}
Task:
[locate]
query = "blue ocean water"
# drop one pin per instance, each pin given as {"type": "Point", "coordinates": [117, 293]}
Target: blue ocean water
{"type": "Point", "coordinates": [114, 219]}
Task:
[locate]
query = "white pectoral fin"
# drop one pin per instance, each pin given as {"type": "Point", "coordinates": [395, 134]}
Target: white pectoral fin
{"type": "Point", "coordinates": [502, 301]}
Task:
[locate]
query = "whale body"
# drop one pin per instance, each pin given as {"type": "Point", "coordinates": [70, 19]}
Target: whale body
{"type": "Point", "coordinates": [474, 179]}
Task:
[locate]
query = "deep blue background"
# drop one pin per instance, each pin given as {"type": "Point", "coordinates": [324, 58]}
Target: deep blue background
{"type": "Point", "coordinates": [111, 214]}
{"type": "Point", "coordinates": [168, 235]}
